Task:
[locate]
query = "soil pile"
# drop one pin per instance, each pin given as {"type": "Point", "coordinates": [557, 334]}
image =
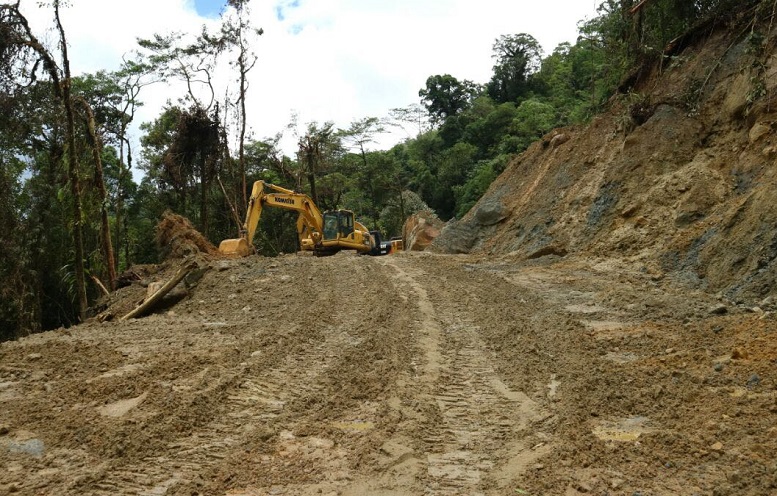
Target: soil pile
{"type": "Point", "coordinates": [686, 187]}
{"type": "Point", "coordinates": [177, 238]}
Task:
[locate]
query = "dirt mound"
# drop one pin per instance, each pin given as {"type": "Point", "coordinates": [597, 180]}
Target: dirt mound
{"type": "Point", "coordinates": [686, 190]}
{"type": "Point", "coordinates": [177, 238]}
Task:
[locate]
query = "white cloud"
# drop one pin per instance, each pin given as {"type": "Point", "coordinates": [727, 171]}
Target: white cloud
{"type": "Point", "coordinates": [337, 60]}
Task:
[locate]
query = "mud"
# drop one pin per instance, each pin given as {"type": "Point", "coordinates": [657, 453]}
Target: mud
{"type": "Point", "coordinates": [401, 375]}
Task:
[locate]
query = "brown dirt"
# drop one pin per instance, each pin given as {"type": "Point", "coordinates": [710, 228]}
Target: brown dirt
{"type": "Point", "coordinates": [178, 238]}
{"type": "Point", "coordinates": [400, 375]}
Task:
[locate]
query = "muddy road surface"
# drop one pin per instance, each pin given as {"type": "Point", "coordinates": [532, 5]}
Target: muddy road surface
{"type": "Point", "coordinates": [413, 374]}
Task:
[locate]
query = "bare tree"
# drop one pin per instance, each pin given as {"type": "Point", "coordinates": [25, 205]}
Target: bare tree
{"type": "Point", "coordinates": [99, 180]}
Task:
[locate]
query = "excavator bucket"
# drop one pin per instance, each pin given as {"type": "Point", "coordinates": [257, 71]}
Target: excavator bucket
{"type": "Point", "coordinates": [235, 247]}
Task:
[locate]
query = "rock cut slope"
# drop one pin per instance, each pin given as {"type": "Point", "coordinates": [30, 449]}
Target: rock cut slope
{"type": "Point", "coordinates": [678, 176]}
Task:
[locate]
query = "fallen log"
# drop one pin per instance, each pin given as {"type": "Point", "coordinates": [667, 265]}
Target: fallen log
{"type": "Point", "coordinates": [101, 286]}
{"type": "Point", "coordinates": [152, 300]}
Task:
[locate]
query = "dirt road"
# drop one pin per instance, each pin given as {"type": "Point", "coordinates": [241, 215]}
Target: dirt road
{"type": "Point", "coordinates": [413, 374]}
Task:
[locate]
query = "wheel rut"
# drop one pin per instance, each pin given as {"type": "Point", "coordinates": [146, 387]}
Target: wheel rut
{"type": "Point", "coordinates": [474, 440]}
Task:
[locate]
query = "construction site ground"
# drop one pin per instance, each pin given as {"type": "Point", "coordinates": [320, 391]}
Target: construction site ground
{"type": "Point", "coordinates": [413, 374]}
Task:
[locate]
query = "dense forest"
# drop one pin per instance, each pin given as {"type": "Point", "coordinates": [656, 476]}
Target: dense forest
{"type": "Point", "coordinates": [72, 218]}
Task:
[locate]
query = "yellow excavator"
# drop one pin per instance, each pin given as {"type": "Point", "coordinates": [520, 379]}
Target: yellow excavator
{"type": "Point", "coordinates": [324, 234]}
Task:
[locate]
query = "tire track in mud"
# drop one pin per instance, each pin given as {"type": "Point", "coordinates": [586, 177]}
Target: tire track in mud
{"type": "Point", "coordinates": [473, 445]}
{"type": "Point", "coordinates": [250, 401]}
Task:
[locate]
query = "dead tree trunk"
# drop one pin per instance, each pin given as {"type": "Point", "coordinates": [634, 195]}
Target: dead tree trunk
{"type": "Point", "coordinates": [149, 303]}
{"type": "Point", "coordinates": [105, 228]}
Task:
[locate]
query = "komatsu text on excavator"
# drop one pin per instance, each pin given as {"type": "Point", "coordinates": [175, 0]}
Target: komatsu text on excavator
{"type": "Point", "coordinates": [324, 234]}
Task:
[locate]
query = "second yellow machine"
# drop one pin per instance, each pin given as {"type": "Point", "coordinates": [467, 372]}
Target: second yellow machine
{"type": "Point", "coordinates": [324, 234]}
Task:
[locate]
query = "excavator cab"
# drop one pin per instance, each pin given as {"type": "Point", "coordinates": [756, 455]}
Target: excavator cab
{"type": "Point", "coordinates": [338, 224]}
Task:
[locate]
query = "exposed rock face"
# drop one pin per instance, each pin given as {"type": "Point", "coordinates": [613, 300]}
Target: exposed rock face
{"type": "Point", "coordinates": [420, 230]}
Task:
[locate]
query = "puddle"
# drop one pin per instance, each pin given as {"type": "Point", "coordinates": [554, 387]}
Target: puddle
{"type": "Point", "coordinates": [32, 447]}
{"type": "Point", "coordinates": [621, 357]}
{"type": "Point", "coordinates": [354, 426]}
{"type": "Point", "coordinates": [626, 430]}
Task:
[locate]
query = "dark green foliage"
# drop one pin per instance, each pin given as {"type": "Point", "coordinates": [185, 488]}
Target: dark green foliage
{"type": "Point", "coordinates": [517, 57]}
{"type": "Point", "coordinates": [445, 96]}
{"type": "Point", "coordinates": [528, 96]}
{"type": "Point", "coordinates": [480, 179]}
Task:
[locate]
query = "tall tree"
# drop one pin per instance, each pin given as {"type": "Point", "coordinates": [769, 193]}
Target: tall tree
{"type": "Point", "coordinates": [239, 34]}
{"type": "Point", "coordinates": [19, 47]}
{"type": "Point", "coordinates": [358, 136]}
{"type": "Point", "coordinates": [73, 169]}
{"type": "Point", "coordinates": [317, 150]}
{"type": "Point", "coordinates": [445, 96]}
{"type": "Point", "coordinates": [517, 56]}
{"type": "Point", "coordinates": [130, 79]}
{"type": "Point", "coordinates": [413, 115]}
{"type": "Point", "coordinates": [182, 154]}
{"type": "Point", "coordinates": [171, 57]}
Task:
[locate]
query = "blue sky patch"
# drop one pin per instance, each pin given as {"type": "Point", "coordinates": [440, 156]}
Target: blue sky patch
{"type": "Point", "coordinates": [283, 6]}
{"type": "Point", "coordinates": [209, 8]}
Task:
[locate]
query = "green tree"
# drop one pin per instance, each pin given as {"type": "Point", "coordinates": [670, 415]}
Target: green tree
{"type": "Point", "coordinates": [480, 179]}
{"type": "Point", "coordinates": [445, 96]}
{"type": "Point", "coordinates": [237, 34]}
{"type": "Point", "coordinates": [319, 149]}
{"type": "Point", "coordinates": [182, 152]}
{"type": "Point", "coordinates": [21, 56]}
{"type": "Point", "coordinates": [533, 119]}
{"type": "Point", "coordinates": [517, 57]}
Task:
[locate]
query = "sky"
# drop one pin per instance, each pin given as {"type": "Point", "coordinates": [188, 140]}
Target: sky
{"type": "Point", "coordinates": [323, 60]}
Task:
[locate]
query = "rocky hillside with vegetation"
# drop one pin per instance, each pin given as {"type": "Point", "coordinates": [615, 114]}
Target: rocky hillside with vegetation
{"type": "Point", "coordinates": [678, 176]}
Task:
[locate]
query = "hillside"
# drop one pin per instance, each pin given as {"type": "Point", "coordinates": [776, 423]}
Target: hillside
{"type": "Point", "coordinates": [677, 177]}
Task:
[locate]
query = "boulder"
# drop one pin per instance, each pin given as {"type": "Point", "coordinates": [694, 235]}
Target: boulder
{"type": "Point", "coordinates": [490, 212]}
{"type": "Point", "coordinates": [456, 237]}
{"type": "Point", "coordinates": [420, 230]}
